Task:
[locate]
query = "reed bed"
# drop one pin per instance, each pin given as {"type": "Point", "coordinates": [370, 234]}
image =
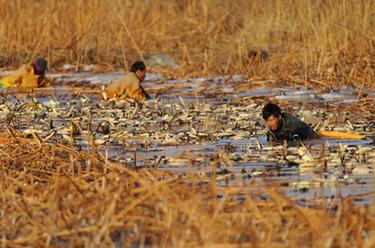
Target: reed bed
{"type": "Point", "coordinates": [58, 195]}
{"type": "Point", "coordinates": [313, 43]}
{"type": "Point", "coordinates": [53, 195]}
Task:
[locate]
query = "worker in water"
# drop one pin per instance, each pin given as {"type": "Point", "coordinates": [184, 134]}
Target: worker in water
{"type": "Point", "coordinates": [285, 126]}
{"type": "Point", "coordinates": [129, 85]}
{"type": "Point", "coordinates": [28, 76]}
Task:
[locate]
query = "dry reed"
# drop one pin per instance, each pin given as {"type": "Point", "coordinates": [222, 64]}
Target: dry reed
{"type": "Point", "coordinates": [307, 42]}
{"type": "Point", "coordinates": [52, 195]}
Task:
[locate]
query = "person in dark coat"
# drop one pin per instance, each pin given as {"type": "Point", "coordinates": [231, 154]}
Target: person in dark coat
{"type": "Point", "coordinates": [285, 126]}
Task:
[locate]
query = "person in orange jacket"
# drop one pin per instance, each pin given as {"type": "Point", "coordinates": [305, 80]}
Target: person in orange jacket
{"type": "Point", "coordinates": [28, 76]}
{"type": "Point", "coordinates": [129, 85]}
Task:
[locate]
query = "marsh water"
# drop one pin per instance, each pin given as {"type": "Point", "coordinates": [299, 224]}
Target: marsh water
{"type": "Point", "coordinates": [212, 126]}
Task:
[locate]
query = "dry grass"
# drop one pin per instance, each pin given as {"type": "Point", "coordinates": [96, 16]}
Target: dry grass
{"type": "Point", "coordinates": [52, 195]}
{"type": "Point", "coordinates": [327, 41]}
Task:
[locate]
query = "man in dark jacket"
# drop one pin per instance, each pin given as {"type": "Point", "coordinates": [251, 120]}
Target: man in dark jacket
{"type": "Point", "coordinates": [285, 126]}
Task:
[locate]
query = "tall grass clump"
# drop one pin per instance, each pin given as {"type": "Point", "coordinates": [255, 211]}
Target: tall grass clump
{"type": "Point", "coordinates": [318, 42]}
{"type": "Point", "coordinates": [54, 196]}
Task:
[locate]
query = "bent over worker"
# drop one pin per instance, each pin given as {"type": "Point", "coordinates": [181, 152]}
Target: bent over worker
{"type": "Point", "coordinates": [129, 85]}
{"type": "Point", "coordinates": [28, 76]}
{"type": "Point", "coordinates": [285, 126]}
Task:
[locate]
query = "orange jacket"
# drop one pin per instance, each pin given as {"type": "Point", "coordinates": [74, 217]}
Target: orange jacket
{"type": "Point", "coordinates": [25, 77]}
{"type": "Point", "coordinates": [129, 86]}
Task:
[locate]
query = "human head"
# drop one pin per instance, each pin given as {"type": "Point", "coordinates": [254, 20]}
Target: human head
{"type": "Point", "coordinates": [272, 115]}
{"type": "Point", "coordinates": [40, 66]}
{"type": "Point", "coordinates": [139, 68]}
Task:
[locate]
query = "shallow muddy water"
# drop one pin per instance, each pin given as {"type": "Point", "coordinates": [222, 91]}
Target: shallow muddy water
{"type": "Point", "coordinates": [210, 126]}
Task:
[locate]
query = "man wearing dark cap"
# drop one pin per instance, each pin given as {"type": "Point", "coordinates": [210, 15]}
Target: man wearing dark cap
{"type": "Point", "coordinates": [28, 76]}
{"type": "Point", "coordinates": [129, 85]}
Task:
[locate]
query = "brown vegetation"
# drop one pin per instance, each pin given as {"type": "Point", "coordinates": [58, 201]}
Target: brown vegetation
{"type": "Point", "coordinates": [54, 196]}
{"type": "Point", "coordinates": [308, 42]}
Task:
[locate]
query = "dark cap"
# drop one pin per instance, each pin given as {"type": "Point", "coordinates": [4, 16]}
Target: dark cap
{"type": "Point", "coordinates": [40, 64]}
